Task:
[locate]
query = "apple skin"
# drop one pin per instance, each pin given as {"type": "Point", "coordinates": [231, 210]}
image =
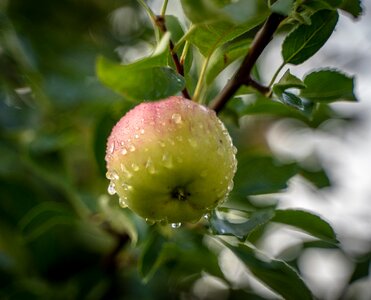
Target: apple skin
{"type": "Point", "coordinates": [171, 160]}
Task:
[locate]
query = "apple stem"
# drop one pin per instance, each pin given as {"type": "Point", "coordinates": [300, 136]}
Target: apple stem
{"type": "Point", "coordinates": [243, 74]}
{"type": "Point", "coordinates": [179, 193]}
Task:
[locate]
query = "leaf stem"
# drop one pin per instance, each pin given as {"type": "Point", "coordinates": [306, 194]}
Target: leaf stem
{"type": "Point", "coordinates": [184, 53]}
{"type": "Point", "coordinates": [242, 75]}
{"type": "Point", "coordinates": [164, 6]}
{"type": "Point", "coordinates": [152, 17]}
{"type": "Point", "coordinates": [199, 86]}
{"type": "Point", "coordinates": [276, 74]}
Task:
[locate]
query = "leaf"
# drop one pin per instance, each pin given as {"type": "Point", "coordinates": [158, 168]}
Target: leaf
{"type": "Point", "coordinates": [154, 254]}
{"type": "Point", "coordinates": [207, 37]}
{"type": "Point", "coordinates": [198, 11]}
{"type": "Point", "coordinates": [147, 79]}
{"type": "Point", "coordinates": [307, 221]}
{"type": "Point", "coordinates": [288, 81]}
{"type": "Point", "coordinates": [292, 100]}
{"type": "Point", "coordinates": [328, 86]}
{"type": "Point", "coordinates": [353, 7]}
{"type": "Point", "coordinates": [282, 7]}
{"type": "Point", "coordinates": [275, 274]}
{"type": "Point", "coordinates": [139, 83]}
{"type": "Point", "coordinates": [261, 175]}
{"type": "Point", "coordinates": [240, 230]}
{"type": "Point", "coordinates": [318, 178]}
{"type": "Point", "coordinates": [224, 56]}
{"type": "Point", "coordinates": [305, 40]}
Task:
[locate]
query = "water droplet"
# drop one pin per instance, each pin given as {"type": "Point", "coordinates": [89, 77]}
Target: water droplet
{"type": "Point", "coordinates": [135, 167]}
{"type": "Point", "coordinates": [136, 136]}
{"type": "Point", "coordinates": [175, 225]}
{"type": "Point", "coordinates": [111, 188]}
{"type": "Point", "coordinates": [150, 222]}
{"type": "Point", "coordinates": [167, 160]}
{"type": "Point", "coordinates": [131, 148]}
{"type": "Point", "coordinates": [230, 186]}
{"type": "Point", "coordinates": [109, 175]}
{"type": "Point", "coordinates": [192, 142]}
{"type": "Point", "coordinates": [111, 148]}
{"type": "Point", "coordinates": [150, 167]}
{"type": "Point", "coordinates": [207, 216]}
{"type": "Point", "coordinates": [122, 143]}
{"type": "Point", "coordinates": [124, 151]}
{"type": "Point", "coordinates": [234, 149]}
{"type": "Point", "coordinates": [114, 175]}
{"type": "Point", "coordinates": [136, 128]}
{"type": "Point", "coordinates": [176, 118]}
{"type": "Point", "coordinates": [122, 203]}
{"type": "Point", "coordinates": [142, 131]}
{"type": "Point", "coordinates": [126, 172]}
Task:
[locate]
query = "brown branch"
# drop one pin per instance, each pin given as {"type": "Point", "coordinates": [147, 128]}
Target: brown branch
{"type": "Point", "coordinates": [160, 22]}
{"type": "Point", "coordinates": [242, 75]}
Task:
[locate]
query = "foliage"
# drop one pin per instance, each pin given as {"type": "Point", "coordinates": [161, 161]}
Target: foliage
{"type": "Point", "coordinates": [63, 88]}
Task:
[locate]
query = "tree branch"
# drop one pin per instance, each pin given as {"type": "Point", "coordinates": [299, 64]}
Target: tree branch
{"type": "Point", "coordinates": [160, 22]}
{"type": "Point", "coordinates": [242, 75]}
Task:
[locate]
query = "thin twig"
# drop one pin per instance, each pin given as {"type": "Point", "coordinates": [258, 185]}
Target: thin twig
{"type": "Point", "coordinates": [160, 22]}
{"type": "Point", "coordinates": [242, 75]}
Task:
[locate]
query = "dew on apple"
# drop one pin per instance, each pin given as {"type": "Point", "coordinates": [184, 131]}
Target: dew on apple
{"type": "Point", "coordinates": [124, 151]}
{"type": "Point", "coordinates": [175, 225]}
{"type": "Point", "coordinates": [131, 148]}
{"type": "Point", "coordinates": [167, 160]}
{"type": "Point", "coordinates": [149, 221]}
{"type": "Point", "coordinates": [111, 188]}
{"type": "Point", "coordinates": [122, 202]}
{"type": "Point", "coordinates": [111, 148]}
{"type": "Point", "coordinates": [142, 131]}
{"type": "Point", "coordinates": [176, 118]}
{"type": "Point", "coordinates": [136, 136]}
{"type": "Point", "coordinates": [150, 167]}
{"type": "Point", "coordinates": [135, 167]}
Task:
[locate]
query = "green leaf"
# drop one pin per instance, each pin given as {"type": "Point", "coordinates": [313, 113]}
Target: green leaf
{"type": "Point", "coordinates": [207, 37]}
{"type": "Point", "coordinates": [353, 7]}
{"type": "Point", "coordinates": [137, 82]}
{"type": "Point", "coordinates": [198, 11]}
{"type": "Point", "coordinates": [275, 274]}
{"type": "Point", "coordinates": [328, 86]}
{"type": "Point", "coordinates": [147, 79]}
{"type": "Point", "coordinates": [288, 81]}
{"type": "Point", "coordinates": [305, 40]}
{"type": "Point", "coordinates": [318, 178]}
{"type": "Point", "coordinates": [241, 230]}
{"type": "Point", "coordinates": [294, 101]}
{"type": "Point", "coordinates": [224, 56]}
{"type": "Point", "coordinates": [150, 259]}
{"type": "Point", "coordinates": [282, 7]}
{"type": "Point", "coordinates": [261, 175]}
{"type": "Point", "coordinates": [307, 221]}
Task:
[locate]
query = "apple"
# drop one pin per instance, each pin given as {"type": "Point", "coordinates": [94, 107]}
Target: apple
{"type": "Point", "coordinates": [170, 161]}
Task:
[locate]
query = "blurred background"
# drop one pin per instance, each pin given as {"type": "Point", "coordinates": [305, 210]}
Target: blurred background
{"type": "Point", "coordinates": [54, 120]}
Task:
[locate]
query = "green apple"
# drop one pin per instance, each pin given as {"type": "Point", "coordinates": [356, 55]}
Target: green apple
{"type": "Point", "coordinates": [171, 160]}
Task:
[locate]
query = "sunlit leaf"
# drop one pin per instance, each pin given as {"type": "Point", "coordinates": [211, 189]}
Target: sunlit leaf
{"type": "Point", "coordinates": [328, 86]}
{"type": "Point", "coordinates": [275, 274]}
{"type": "Point", "coordinates": [307, 221]}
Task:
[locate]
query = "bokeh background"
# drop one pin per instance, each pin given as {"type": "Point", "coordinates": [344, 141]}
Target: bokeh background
{"type": "Point", "coordinates": [55, 117]}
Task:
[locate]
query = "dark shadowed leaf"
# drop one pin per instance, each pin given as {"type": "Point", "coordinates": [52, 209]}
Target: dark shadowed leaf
{"type": "Point", "coordinates": [305, 40]}
{"type": "Point", "coordinates": [241, 230]}
{"type": "Point", "coordinates": [319, 177]}
{"type": "Point", "coordinates": [353, 7]}
{"type": "Point", "coordinates": [328, 86]}
{"type": "Point", "coordinates": [261, 175]}
{"type": "Point", "coordinates": [275, 274]}
{"type": "Point", "coordinates": [307, 221]}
